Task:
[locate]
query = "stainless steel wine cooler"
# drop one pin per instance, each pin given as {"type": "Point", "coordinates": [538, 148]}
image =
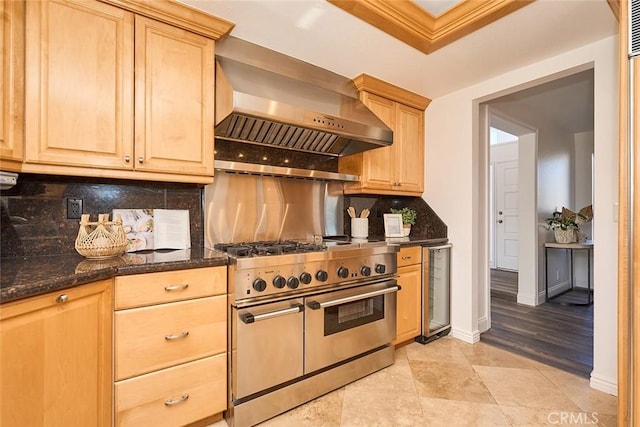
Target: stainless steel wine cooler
{"type": "Point", "coordinates": [436, 292]}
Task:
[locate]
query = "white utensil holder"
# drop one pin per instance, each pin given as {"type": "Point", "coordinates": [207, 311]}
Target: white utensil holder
{"type": "Point", "coordinates": [360, 228]}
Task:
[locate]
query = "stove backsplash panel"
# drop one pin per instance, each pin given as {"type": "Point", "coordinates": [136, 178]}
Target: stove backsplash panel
{"type": "Point", "coordinates": [250, 208]}
{"type": "Point", "coordinates": [34, 212]}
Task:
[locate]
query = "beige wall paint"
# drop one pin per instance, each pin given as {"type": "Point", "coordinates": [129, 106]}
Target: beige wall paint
{"type": "Point", "coordinates": [452, 153]}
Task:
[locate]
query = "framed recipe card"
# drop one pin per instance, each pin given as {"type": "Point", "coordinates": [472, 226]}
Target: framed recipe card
{"type": "Point", "coordinates": [393, 225]}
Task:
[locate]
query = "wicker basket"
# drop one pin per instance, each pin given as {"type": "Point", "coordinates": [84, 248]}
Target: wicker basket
{"type": "Point", "coordinates": [101, 239]}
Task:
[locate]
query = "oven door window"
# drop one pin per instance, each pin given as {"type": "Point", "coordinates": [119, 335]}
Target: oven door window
{"type": "Point", "coordinates": [349, 315]}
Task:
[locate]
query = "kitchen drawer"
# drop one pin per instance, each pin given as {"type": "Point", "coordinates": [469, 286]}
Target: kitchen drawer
{"type": "Point", "coordinates": [199, 389]}
{"type": "Point", "coordinates": [151, 338]}
{"type": "Point", "coordinates": [409, 255]}
{"type": "Point", "coordinates": [154, 288]}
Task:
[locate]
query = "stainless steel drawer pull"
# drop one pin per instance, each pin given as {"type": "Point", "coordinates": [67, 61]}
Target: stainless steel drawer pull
{"type": "Point", "coordinates": [180, 287]}
{"type": "Point", "coordinates": [315, 305]}
{"type": "Point", "coordinates": [251, 318]}
{"type": "Point", "coordinates": [172, 337]}
{"type": "Point", "coordinates": [62, 298]}
{"type": "Point", "coordinates": [171, 402]}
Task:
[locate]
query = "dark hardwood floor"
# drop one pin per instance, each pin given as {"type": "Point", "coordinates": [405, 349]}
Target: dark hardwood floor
{"type": "Point", "coordinates": [554, 334]}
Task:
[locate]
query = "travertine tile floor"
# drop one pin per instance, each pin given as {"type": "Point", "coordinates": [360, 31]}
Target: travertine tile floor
{"type": "Point", "coordinates": [451, 383]}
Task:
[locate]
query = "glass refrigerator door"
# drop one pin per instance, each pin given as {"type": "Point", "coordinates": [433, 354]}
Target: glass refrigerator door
{"type": "Point", "coordinates": [439, 298]}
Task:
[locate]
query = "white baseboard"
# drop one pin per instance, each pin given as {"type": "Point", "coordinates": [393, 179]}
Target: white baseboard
{"type": "Point", "coordinates": [468, 337]}
{"type": "Point", "coordinates": [525, 299]}
{"type": "Point", "coordinates": [483, 324]}
{"type": "Point", "coordinates": [553, 290]}
{"type": "Point", "coordinates": [608, 385]}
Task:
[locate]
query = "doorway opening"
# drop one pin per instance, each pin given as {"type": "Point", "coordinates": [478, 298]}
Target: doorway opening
{"type": "Point", "coordinates": [547, 167]}
{"type": "Point", "coordinates": [503, 211]}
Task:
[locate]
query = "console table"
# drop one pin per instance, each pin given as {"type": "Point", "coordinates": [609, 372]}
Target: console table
{"type": "Point", "coordinates": [569, 247]}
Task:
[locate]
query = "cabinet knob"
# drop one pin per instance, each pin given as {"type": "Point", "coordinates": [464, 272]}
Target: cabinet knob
{"type": "Point", "coordinates": [127, 159]}
{"type": "Point", "coordinates": [62, 298]}
{"type": "Point", "coordinates": [140, 160]}
{"type": "Point", "coordinates": [499, 221]}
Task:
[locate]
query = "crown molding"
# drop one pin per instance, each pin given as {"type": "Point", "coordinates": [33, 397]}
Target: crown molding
{"type": "Point", "coordinates": [408, 22]}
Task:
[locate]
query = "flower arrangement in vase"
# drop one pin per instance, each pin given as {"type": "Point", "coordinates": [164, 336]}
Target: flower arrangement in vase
{"type": "Point", "coordinates": [408, 218]}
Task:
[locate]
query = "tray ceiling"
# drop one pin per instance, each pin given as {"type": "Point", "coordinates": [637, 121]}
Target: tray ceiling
{"type": "Point", "coordinates": [429, 25]}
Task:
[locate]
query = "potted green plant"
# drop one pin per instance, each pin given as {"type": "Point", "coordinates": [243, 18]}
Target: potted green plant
{"type": "Point", "coordinates": [564, 227]}
{"type": "Point", "coordinates": [408, 218]}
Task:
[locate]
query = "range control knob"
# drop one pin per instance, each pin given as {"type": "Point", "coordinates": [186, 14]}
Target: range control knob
{"type": "Point", "coordinates": [322, 275]}
{"type": "Point", "coordinates": [305, 278]}
{"type": "Point", "coordinates": [259, 285]}
{"type": "Point", "coordinates": [365, 270]}
{"type": "Point", "coordinates": [343, 272]}
{"type": "Point", "coordinates": [293, 282]}
{"type": "Point", "coordinates": [380, 268]}
{"type": "Point", "coordinates": [279, 282]}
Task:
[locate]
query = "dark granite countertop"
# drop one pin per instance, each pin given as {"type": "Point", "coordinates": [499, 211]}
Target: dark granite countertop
{"type": "Point", "coordinates": [24, 277]}
{"type": "Point", "coordinates": [411, 240]}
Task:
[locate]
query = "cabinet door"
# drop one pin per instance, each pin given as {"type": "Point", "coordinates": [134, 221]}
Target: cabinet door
{"type": "Point", "coordinates": [379, 164]}
{"type": "Point", "coordinates": [409, 142]}
{"type": "Point", "coordinates": [12, 77]}
{"type": "Point", "coordinates": [55, 359]}
{"type": "Point", "coordinates": [79, 84]}
{"type": "Point", "coordinates": [174, 99]}
{"type": "Point", "coordinates": [408, 314]}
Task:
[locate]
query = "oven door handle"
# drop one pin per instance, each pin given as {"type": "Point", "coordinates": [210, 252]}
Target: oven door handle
{"type": "Point", "coordinates": [252, 318]}
{"type": "Point", "coordinates": [315, 305]}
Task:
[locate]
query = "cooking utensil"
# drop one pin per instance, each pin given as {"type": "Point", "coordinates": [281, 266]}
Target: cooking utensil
{"type": "Point", "coordinates": [352, 212]}
{"type": "Point", "coordinates": [364, 213]}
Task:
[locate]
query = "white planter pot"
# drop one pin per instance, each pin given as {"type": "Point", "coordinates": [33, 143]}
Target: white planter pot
{"type": "Point", "coordinates": [569, 235]}
{"type": "Point", "coordinates": [406, 229]}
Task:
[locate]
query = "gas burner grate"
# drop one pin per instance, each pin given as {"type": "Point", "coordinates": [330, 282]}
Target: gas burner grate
{"type": "Point", "coordinates": [267, 248]}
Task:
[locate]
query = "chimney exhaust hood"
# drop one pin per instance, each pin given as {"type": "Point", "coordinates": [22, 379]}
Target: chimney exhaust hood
{"type": "Point", "coordinates": [266, 98]}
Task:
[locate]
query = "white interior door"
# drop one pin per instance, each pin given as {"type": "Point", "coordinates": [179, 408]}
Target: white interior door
{"type": "Point", "coordinates": [506, 214]}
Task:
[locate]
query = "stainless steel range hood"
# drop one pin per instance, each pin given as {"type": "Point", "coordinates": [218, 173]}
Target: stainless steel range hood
{"type": "Point", "coordinates": [267, 98]}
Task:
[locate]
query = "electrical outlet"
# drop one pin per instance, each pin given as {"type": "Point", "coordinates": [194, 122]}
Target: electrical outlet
{"type": "Point", "coordinates": [74, 208]}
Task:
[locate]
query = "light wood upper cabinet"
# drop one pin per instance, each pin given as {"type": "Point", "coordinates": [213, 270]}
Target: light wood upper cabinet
{"type": "Point", "coordinates": [398, 169]}
{"type": "Point", "coordinates": [174, 99]}
{"type": "Point", "coordinates": [12, 77]}
{"type": "Point", "coordinates": [120, 89]}
{"type": "Point", "coordinates": [79, 84]}
{"type": "Point", "coordinates": [55, 358]}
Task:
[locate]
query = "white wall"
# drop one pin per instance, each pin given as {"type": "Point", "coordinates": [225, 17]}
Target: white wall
{"type": "Point", "coordinates": [453, 154]}
{"type": "Point", "coordinates": [555, 191]}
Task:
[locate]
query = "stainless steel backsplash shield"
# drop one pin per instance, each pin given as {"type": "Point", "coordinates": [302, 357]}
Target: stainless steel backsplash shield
{"type": "Point", "coordinates": [250, 208]}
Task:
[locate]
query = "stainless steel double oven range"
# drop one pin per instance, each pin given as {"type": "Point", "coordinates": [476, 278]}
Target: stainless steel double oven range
{"type": "Point", "coordinates": [305, 319]}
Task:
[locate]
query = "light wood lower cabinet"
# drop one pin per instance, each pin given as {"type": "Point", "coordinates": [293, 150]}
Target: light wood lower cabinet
{"type": "Point", "coordinates": [55, 358]}
{"type": "Point", "coordinates": [409, 299]}
{"type": "Point", "coordinates": [151, 338]}
{"type": "Point", "coordinates": [170, 347]}
{"type": "Point", "coordinates": [174, 396]}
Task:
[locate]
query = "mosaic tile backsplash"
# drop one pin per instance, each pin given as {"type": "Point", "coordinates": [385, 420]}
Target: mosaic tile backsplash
{"type": "Point", "coordinates": [34, 212]}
